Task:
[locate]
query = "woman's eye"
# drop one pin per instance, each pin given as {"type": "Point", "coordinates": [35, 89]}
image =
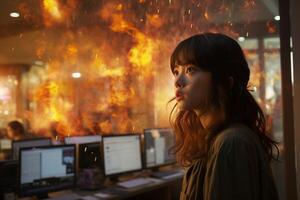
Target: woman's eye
{"type": "Point", "coordinates": [190, 70]}
{"type": "Point", "coordinates": [175, 72]}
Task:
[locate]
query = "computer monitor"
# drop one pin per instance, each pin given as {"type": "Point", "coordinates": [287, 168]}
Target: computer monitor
{"type": "Point", "coordinates": [88, 150]}
{"type": "Point", "coordinates": [122, 153]}
{"type": "Point", "coordinates": [36, 142]}
{"type": "Point", "coordinates": [89, 155]}
{"type": "Point", "coordinates": [157, 144]}
{"type": "Point", "coordinates": [46, 169]}
{"type": "Point", "coordinates": [5, 144]}
{"type": "Point", "coordinates": [83, 139]}
{"type": "Point", "coordinates": [8, 175]}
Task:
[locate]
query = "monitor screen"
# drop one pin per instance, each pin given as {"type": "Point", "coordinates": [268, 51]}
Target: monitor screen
{"type": "Point", "coordinates": [16, 145]}
{"type": "Point", "coordinates": [89, 155]}
{"type": "Point", "coordinates": [45, 169]}
{"type": "Point", "coordinates": [5, 144]}
{"type": "Point", "coordinates": [122, 153]}
{"type": "Point", "coordinates": [83, 139]}
{"type": "Point", "coordinates": [157, 143]}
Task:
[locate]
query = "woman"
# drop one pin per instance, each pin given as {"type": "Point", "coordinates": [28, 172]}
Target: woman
{"type": "Point", "coordinates": [219, 127]}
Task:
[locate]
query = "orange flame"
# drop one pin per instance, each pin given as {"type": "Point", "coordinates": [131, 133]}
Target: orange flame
{"type": "Point", "coordinates": [139, 55]}
{"type": "Point", "coordinates": [123, 62]}
{"type": "Point", "coordinates": [51, 6]}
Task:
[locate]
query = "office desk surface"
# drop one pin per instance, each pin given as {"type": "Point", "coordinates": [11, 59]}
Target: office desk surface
{"type": "Point", "coordinates": [161, 187]}
{"type": "Point", "coordinates": [121, 193]}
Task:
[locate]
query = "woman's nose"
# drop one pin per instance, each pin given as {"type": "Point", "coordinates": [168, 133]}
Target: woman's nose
{"type": "Point", "coordinates": [180, 81]}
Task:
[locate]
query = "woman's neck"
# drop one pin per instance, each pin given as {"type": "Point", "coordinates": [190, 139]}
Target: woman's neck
{"type": "Point", "coordinates": [211, 118]}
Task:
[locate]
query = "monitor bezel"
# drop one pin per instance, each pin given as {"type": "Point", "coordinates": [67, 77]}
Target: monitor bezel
{"type": "Point", "coordinates": [82, 137]}
{"type": "Point", "coordinates": [145, 154]}
{"type": "Point", "coordinates": [27, 140]}
{"type": "Point", "coordinates": [27, 194]}
{"type": "Point", "coordinates": [124, 172]}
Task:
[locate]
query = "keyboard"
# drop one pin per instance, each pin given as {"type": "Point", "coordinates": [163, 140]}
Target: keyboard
{"type": "Point", "coordinates": [70, 196]}
{"type": "Point", "coordinates": [133, 183]}
{"type": "Point", "coordinates": [167, 174]}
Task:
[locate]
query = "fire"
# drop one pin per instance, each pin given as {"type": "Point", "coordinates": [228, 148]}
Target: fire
{"type": "Point", "coordinates": [71, 50]}
{"type": "Point", "coordinates": [141, 54]}
{"type": "Point", "coordinates": [55, 12]}
{"type": "Point", "coordinates": [121, 52]}
{"type": "Point", "coordinates": [154, 20]}
{"type": "Point", "coordinates": [206, 15]}
{"type": "Point", "coordinates": [51, 108]}
{"type": "Point", "coordinates": [51, 6]}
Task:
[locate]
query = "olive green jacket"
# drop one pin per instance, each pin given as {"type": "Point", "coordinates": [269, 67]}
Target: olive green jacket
{"type": "Point", "coordinates": [236, 168]}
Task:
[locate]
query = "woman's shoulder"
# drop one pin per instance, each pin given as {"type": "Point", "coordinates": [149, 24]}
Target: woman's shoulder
{"type": "Point", "coordinates": [235, 135]}
{"type": "Point", "coordinates": [235, 131]}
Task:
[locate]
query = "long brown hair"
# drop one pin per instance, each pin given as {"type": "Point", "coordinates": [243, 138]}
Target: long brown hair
{"type": "Point", "coordinates": [224, 59]}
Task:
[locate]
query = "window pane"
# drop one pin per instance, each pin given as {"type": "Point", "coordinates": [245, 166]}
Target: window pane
{"type": "Point", "coordinates": [99, 67]}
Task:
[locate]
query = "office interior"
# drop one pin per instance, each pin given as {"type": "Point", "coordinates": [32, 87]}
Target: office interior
{"type": "Point", "coordinates": [90, 83]}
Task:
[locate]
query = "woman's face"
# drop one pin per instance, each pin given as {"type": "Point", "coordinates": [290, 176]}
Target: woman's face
{"type": "Point", "coordinates": [192, 87]}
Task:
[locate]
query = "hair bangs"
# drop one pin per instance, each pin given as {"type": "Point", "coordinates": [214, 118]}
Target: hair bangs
{"type": "Point", "coordinates": [184, 54]}
{"type": "Point", "coordinates": [191, 51]}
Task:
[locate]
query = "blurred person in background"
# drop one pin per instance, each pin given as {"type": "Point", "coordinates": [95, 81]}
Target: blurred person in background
{"type": "Point", "coordinates": [16, 130]}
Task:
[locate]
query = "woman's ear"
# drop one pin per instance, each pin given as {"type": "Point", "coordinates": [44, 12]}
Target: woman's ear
{"type": "Point", "coordinates": [231, 81]}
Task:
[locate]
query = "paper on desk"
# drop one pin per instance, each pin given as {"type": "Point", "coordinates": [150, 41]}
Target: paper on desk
{"type": "Point", "coordinates": [155, 180]}
{"type": "Point", "coordinates": [67, 196]}
{"type": "Point", "coordinates": [89, 198]}
{"type": "Point", "coordinates": [104, 195]}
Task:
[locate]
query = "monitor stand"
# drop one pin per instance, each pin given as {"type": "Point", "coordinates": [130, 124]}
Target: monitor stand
{"type": "Point", "coordinates": [114, 179]}
{"type": "Point", "coordinates": [162, 168]}
{"type": "Point", "coordinates": [164, 172]}
{"type": "Point", "coordinates": [120, 178]}
{"type": "Point", "coordinates": [155, 169]}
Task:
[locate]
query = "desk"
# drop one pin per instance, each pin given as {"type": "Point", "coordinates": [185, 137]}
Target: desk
{"type": "Point", "coordinates": [160, 189]}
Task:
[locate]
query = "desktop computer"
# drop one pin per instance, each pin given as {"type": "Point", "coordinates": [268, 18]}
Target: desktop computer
{"type": "Point", "coordinates": [36, 142]}
{"type": "Point", "coordinates": [157, 145]}
{"type": "Point", "coordinates": [8, 177]}
{"type": "Point", "coordinates": [46, 169]}
{"type": "Point", "coordinates": [122, 154]}
{"type": "Point", "coordinates": [89, 163]}
{"type": "Point", "coordinates": [88, 150]}
{"type": "Point", "coordinates": [157, 152]}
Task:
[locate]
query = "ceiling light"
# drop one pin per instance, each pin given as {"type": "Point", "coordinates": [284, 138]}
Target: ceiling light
{"type": "Point", "coordinates": [277, 17]}
{"type": "Point", "coordinates": [76, 75]}
{"type": "Point", "coordinates": [241, 39]}
{"type": "Point", "coordinates": [14, 14]}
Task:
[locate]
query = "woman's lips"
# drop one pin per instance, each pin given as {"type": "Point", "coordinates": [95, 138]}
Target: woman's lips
{"type": "Point", "coordinates": [179, 96]}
